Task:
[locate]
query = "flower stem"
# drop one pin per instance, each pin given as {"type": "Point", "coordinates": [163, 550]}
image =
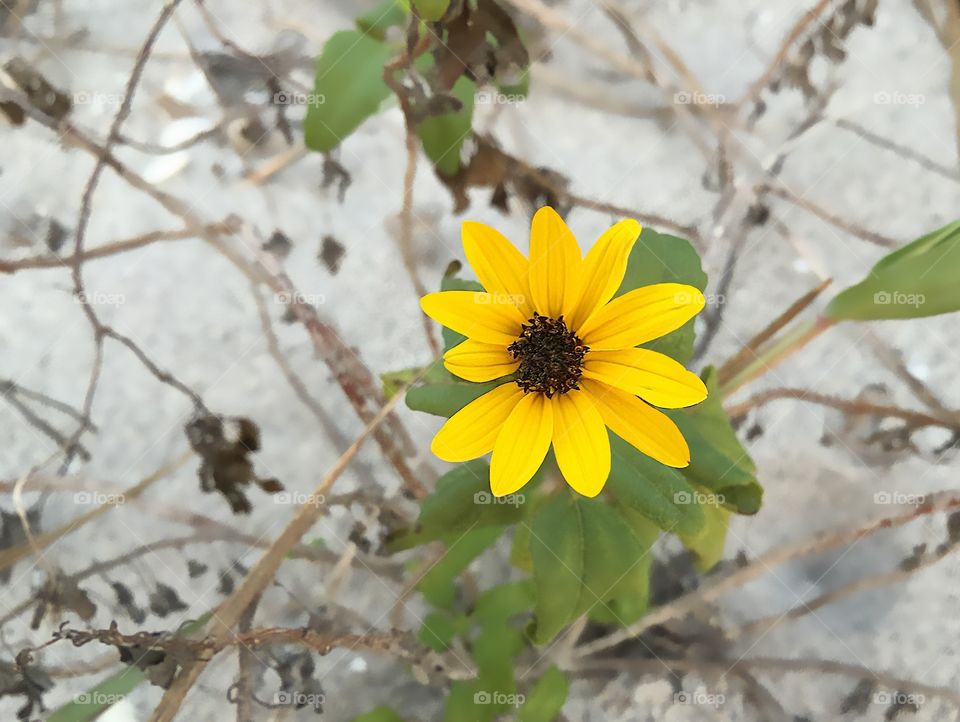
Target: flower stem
{"type": "Point", "coordinates": [791, 342]}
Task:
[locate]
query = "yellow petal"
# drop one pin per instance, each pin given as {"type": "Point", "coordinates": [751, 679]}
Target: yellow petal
{"type": "Point", "coordinates": [554, 264]}
{"type": "Point", "coordinates": [501, 268]}
{"type": "Point", "coordinates": [522, 444]}
{"type": "Point", "coordinates": [641, 315]}
{"type": "Point", "coordinates": [650, 375]}
{"type": "Point", "coordinates": [639, 424]}
{"type": "Point", "coordinates": [473, 430]}
{"type": "Point", "coordinates": [479, 361]}
{"type": "Point", "coordinates": [603, 269]}
{"type": "Point", "coordinates": [580, 442]}
{"type": "Point", "coordinates": [480, 316]}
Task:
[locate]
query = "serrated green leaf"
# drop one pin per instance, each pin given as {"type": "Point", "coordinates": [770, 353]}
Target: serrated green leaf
{"type": "Point", "coordinates": [546, 699]}
{"type": "Point", "coordinates": [652, 489]}
{"type": "Point", "coordinates": [718, 460]}
{"type": "Point", "coordinates": [917, 280]}
{"type": "Point", "coordinates": [662, 258]}
{"type": "Point", "coordinates": [581, 549]}
{"type": "Point", "coordinates": [348, 88]}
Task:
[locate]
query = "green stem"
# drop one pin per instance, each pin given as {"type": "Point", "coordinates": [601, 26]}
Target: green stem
{"type": "Point", "coordinates": [791, 342]}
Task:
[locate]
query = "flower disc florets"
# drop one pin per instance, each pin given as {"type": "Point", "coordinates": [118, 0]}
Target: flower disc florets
{"type": "Point", "coordinates": [550, 356]}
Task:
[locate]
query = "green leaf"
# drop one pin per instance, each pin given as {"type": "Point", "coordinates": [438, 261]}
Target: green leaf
{"type": "Point", "coordinates": [662, 258]}
{"type": "Point", "coordinates": [461, 501]}
{"type": "Point", "coordinates": [581, 549]}
{"type": "Point", "coordinates": [919, 279]}
{"type": "Point", "coordinates": [520, 548]}
{"type": "Point", "coordinates": [431, 10]}
{"type": "Point", "coordinates": [386, 15]}
{"type": "Point", "coordinates": [708, 544]}
{"type": "Point", "coordinates": [446, 397]}
{"type": "Point", "coordinates": [546, 699]}
{"type": "Point", "coordinates": [349, 88]}
{"type": "Point", "coordinates": [393, 381]}
{"type": "Point", "coordinates": [440, 627]}
{"type": "Point", "coordinates": [493, 692]}
{"type": "Point", "coordinates": [497, 604]}
{"type": "Point", "coordinates": [380, 714]}
{"type": "Point", "coordinates": [437, 585]}
{"type": "Point", "coordinates": [440, 392]}
{"type": "Point", "coordinates": [630, 598]}
{"type": "Point", "coordinates": [718, 460]}
{"type": "Point", "coordinates": [451, 282]}
{"type": "Point", "coordinates": [443, 135]}
{"type": "Point", "coordinates": [517, 90]}
{"type": "Point", "coordinates": [652, 489]}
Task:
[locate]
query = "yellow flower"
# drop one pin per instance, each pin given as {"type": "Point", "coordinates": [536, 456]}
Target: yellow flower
{"type": "Point", "coordinates": [570, 353]}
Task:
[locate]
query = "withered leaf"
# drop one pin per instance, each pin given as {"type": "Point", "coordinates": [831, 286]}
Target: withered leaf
{"type": "Point", "coordinates": [278, 244]}
{"type": "Point", "coordinates": [489, 167]}
{"type": "Point", "coordinates": [126, 602]}
{"type": "Point", "coordinates": [224, 445]}
{"type": "Point", "coordinates": [331, 253]}
{"type": "Point", "coordinates": [24, 680]}
{"type": "Point", "coordinates": [62, 593]}
{"type": "Point", "coordinates": [164, 600]}
{"type": "Point", "coordinates": [482, 43]}
{"type": "Point", "coordinates": [196, 569]}
{"type": "Point", "coordinates": [39, 91]}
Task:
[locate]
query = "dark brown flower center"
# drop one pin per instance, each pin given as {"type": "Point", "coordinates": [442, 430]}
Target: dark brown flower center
{"type": "Point", "coordinates": [550, 355]}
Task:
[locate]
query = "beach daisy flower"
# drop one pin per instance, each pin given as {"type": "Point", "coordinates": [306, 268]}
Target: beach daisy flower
{"type": "Point", "coordinates": [568, 355]}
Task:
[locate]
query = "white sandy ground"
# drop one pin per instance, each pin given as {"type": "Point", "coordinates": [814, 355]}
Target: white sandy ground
{"type": "Point", "coordinates": [194, 314]}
